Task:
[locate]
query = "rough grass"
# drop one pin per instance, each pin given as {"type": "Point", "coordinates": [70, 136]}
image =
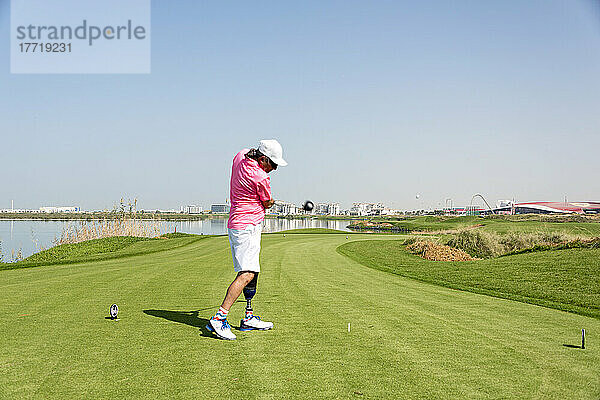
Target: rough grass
{"type": "Point", "coordinates": [567, 280]}
{"type": "Point", "coordinates": [477, 243]}
{"type": "Point", "coordinates": [437, 252]}
{"type": "Point", "coordinates": [592, 243]}
{"type": "Point", "coordinates": [488, 244]}
{"type": "Point", "coordinates": [408, 339]}
{"type": "Point", "coordinates": [83, 231]}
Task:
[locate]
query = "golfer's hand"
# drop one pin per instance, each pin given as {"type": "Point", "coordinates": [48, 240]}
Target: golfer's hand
{"type": "Point", "coordinates": [268, 203]}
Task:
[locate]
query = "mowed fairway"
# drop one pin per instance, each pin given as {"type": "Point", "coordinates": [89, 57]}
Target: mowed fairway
{"type": "Point", "coordinates": [407, 339]}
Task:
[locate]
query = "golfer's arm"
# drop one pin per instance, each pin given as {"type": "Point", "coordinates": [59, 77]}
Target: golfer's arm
{"type": "Point", "coordinates": [268, 203]}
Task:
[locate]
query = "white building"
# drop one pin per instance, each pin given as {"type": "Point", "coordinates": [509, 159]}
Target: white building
{"type": "Point", "coordinates": [59, 209]}
{"type": "Point", "coordinates": [283, 208]}
{"type": "Point", "coordinates": [219, 208]}
{"type": "Point", "coordinates": [191, 209]}
{"type": "Point", "coordinates": [321, 209]}
{"type": "Point", "coordinates": [389, 211]}
{"type": "Point", "coordinates": [366, 209]}
{"type": "Point", "coordinates": [334, 209]}
{"type": "Point", "coordinates": [327, 209]}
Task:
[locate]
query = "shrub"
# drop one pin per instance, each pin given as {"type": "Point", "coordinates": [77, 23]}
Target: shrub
{"type": "Point", "coordinates": [437, 252]}
{"type": "Point", "coordinates": [410, 240]}
{"type": "Point", "coordinates": [488, 244]}
{"type": "Point", "coordinates": [477, 243]}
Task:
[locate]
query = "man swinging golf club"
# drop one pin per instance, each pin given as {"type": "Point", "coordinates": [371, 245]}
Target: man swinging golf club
{"type": "Point", "coordinates": [250, 195]}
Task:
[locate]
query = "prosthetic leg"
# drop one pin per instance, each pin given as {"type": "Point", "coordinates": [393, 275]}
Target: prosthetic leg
{"type": "Point", "coordinates": [249, 292]}
{"type": "Point", "coordinates": [251, 321]}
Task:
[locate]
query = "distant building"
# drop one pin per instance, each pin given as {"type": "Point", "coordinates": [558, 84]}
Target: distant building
{"type": "Point", "coordinates": [366, 209]}
{"type": "Point", "coordinates": [59, 209]}
{"type": "Point", "coordinates": [327, 209]}
{"type": "Point", "coordinates": [547, 207]}
{"type": "Point", "coordinates": [191, 209]}
{"type": "Point", "coordinates": [389, 211]}
{"type": "Point", "coordinates": [504, 203]}
{"type": "Point", "coordinates": [377, 209]}
{"type": "Point", "coordinates": [220, 208]}
{"type": "Point", "coordinates": [283, 208]}
{"type": "Point", "coordinates": [321, 209]}
{"type": "Point", "coordinates": [334, 209]}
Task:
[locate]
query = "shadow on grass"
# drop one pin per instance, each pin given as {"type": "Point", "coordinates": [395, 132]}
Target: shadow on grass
{"type": "Point", "coordinates": [190, 318]}
{"type": "Point", "coordinates": [572, 346]}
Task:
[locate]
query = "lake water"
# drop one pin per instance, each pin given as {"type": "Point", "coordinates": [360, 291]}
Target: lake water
{"type": "Point", "coordinates": [30, 236]}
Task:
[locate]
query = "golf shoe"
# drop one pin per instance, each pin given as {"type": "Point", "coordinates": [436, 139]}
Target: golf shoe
{"type": "Point", "coordinates": [253, 322]}
{"type": "Point", "coordinates": [221, 328]}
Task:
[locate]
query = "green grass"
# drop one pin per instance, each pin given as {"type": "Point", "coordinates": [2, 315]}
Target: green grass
{"type": "Point", "coordinates": [567, 280]}
{"type": "Point", "coordinates": [103, 249]}
{"type": "Point", "coordinates": [311, 231]}
{"type": "Point", "coordinates": [574, 228]}
{"type": "Point", "coordinates": [495, 224]}
{"type": "Point", "coordinates": [408, 339]}
{"type": "Point", "coordinates": [436, 223]}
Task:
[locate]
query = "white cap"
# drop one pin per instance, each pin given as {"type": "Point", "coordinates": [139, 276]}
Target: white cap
{"type": "Point", "coordinates": [272, 149]}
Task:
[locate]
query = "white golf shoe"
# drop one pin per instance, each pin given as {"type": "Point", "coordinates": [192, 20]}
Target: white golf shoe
{"type": "Point", "coordinates": [254, 323]}
{"type": "Point", "coordinates": [221, 328]}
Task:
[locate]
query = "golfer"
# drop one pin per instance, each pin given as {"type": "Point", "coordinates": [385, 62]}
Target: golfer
{"type": "Point", "coordinates": [250, 195]}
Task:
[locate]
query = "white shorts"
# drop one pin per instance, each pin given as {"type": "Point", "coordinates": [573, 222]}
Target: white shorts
{"type": "Point", "coordinates": [245, 248]}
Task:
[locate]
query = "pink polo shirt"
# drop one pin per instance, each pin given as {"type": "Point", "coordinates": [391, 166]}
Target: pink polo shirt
{"type": "Point", "coordinates": [249, 186]}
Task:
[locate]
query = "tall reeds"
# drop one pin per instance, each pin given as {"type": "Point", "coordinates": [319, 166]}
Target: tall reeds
{"type": "Point", "coordinates": [125, 222]}
{"type": "Point", "coordinates": [438, 252]}
{"type": "Point", "coordinates": [15, 256]}
{"type": "Point", "coordinates": [483, 244]}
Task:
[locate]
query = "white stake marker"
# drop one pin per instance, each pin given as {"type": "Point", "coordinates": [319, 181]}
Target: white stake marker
{"type": "Point", "coordinates": [348, 327]}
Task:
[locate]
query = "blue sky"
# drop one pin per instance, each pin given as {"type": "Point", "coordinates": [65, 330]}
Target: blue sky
{"type": "Point", "coordinates": [372, 101]}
